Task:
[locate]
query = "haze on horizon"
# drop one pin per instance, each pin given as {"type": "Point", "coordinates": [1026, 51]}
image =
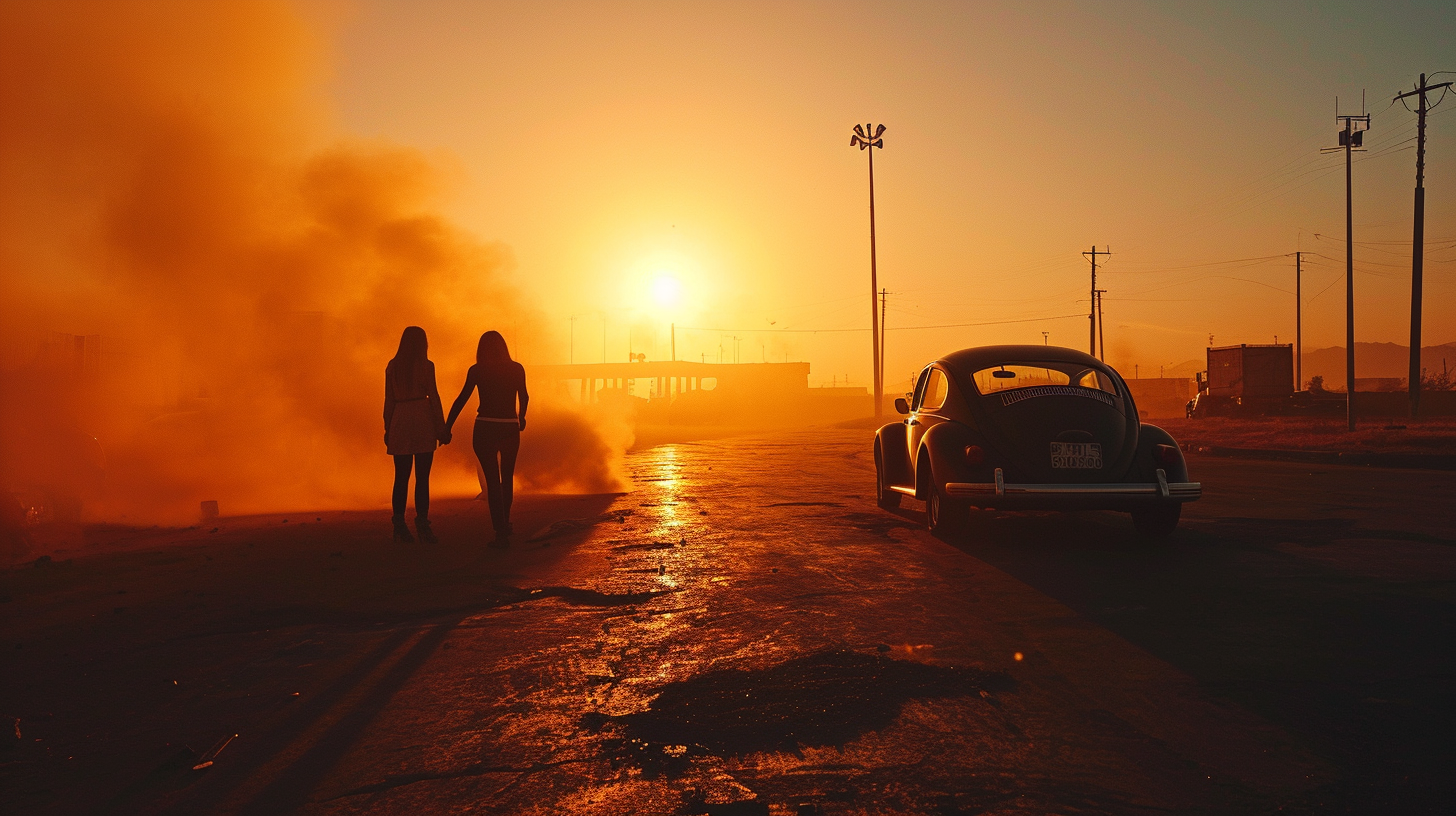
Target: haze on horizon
{"type": "Point", "coordinates": [248, 201]}
{"type": "Point", "coordinates": [610, 145]}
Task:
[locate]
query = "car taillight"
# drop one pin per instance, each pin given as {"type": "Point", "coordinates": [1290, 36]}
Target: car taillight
{"type": "Point", "coordinates": [1166, 454]}
{"type": "Point", "coordinates": [974, 455]}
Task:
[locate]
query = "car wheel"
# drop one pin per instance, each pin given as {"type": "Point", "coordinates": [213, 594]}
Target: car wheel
{"type": "Point", "coordinates": [1157, 522]}
{"type": "Point", "coordinates": [884, 496]}
{"type": "Point", "coordinates": [946, 516]}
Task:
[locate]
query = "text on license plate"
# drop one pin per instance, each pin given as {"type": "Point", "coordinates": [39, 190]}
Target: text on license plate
{"type": "Point", "coordinates": [1084, 455]}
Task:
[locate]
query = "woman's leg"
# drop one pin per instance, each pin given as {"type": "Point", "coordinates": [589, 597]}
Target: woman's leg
{"type": "Point", "coordinates": [486, 450]}
{"type": "Point", "coordinates": [422, 485]}
{"type": "Point", "coordinates": [510, 446]}
{"type": "Point", "coordinates": [401, 483]}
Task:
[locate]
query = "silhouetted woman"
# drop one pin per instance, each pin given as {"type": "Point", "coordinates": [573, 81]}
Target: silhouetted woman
{"type": "Point", "coordinates": [499, 421]}
{"type": "Point", "coordinates": [413, 422]}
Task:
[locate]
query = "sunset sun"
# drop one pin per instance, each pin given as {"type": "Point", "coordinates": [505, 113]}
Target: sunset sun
{"type": "Point", "coordinates": [666, 291]}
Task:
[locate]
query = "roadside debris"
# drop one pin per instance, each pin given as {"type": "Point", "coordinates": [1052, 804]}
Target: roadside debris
{"type": "Point", "coordinates": [567, 526]}
{"type": "Point", "coordinates": [206, 760]}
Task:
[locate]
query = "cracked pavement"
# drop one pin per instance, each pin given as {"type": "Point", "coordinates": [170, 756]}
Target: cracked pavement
{"type": "Point", "coordinates": [745, 632]}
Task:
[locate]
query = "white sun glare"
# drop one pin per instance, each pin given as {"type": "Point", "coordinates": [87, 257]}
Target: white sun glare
{"type": "Point", "coordinates": [666, 291]}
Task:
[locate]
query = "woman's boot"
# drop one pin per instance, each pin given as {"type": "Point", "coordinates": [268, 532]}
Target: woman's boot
{"type": "Point", "coordinates": [401, 531]}
{"type": "Point", "coordinates": [422, 526]}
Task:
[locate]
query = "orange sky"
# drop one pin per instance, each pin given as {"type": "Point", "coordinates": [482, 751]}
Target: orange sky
{"type": "Point", "coordinates": [606, 142]}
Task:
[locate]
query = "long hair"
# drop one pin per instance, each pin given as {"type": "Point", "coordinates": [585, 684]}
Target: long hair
{"type": "Point", "coordinates": [409, 361]}
{"type": "Point", "coordinates": [492, 350]}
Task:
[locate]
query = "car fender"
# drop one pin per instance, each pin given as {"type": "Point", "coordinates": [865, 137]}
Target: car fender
{"type": "Point", "coordinates": [944, 446]}
{"type": "Point", "coordinates": [1145, 462]}
{"type": "Point", "coordinates": [891, 439]}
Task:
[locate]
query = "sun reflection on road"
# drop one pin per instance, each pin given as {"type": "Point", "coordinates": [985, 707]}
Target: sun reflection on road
{"type": "Point", "coordinates": [669, 480]}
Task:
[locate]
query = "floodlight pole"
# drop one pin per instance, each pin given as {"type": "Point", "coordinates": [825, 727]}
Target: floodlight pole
{"type": "Point", "coordinates": [1349, 284]}
{"type": "Point", "coordinates": [874, 288]}
{"type": "Point", "coordinates": [1350, 138]}
{"type": "Point", "coordinates": [868, 137]}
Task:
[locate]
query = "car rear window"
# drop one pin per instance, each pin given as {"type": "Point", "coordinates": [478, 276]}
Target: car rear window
{"type": "Point", "coordinates": [1030, 375]}
{"type": "Point", "coordinates": [989, 380]}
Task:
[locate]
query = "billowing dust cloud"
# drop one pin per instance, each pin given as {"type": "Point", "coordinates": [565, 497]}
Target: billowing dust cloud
{"type": "Point", "coordinates": [170, 187]}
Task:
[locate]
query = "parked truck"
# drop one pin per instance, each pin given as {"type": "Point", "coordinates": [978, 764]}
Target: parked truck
{"type": "Point", "coordinates": [1245, 380]}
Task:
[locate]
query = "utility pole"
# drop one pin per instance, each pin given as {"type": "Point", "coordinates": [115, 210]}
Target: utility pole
{"type": "Point", "coordinates": [1092, 305]}
{"type": "Point", "coordinates": [1350, 139]}
{"type": "Point", "coordinates": [868, 138]}
{"type": "Point", "coordinates": [1101, 337]}
{"type": "Point", "coordinates": [1298, 325]}
{"type": "Point", "coordinates": [1418, 241]}
{"type": "Point", "coordinates": [674, 341]}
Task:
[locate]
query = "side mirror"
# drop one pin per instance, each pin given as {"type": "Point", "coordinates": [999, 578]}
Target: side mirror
{"type": "Point", "coordinates": [901, 406]}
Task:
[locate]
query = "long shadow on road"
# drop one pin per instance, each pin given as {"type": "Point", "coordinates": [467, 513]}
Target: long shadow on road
{"type": "Point", "coordinates": [1359, 667]}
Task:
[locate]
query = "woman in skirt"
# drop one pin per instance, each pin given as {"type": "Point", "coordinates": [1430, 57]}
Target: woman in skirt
{"type": "Point", "coordinates": [413, 423]}
{"type": "Point", "coordinates": [499, 421]}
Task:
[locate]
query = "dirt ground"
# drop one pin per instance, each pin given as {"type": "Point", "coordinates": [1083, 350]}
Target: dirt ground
{"type": "Point", "coordinates": [745, 632]}
{"type": "Point", "coordinates": [1382, 435]}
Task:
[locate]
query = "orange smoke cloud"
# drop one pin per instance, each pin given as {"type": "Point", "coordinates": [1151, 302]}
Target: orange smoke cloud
{"type": "Point", "coordinates": [163, 185]}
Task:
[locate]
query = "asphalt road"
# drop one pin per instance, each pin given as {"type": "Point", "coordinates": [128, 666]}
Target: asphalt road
{"type": "Point", "coordinates": [745, 632]}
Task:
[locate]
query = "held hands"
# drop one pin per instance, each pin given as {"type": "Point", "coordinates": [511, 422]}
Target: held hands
{"type": "Point", "coordinates": [445, 438]}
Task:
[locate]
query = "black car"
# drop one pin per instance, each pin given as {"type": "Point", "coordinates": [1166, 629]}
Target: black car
{"type": "Point", "coordinates": [1029, 427]}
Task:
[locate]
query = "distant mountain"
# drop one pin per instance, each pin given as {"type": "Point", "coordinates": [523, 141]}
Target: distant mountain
{"type": "Point", "coordinates": [1374, 360]}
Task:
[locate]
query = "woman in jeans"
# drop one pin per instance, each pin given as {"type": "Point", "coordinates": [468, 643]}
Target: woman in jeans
{"type": "Point", "coordinates": [499, 421]}
{"type": "Point", "coordinates": [413, 423]}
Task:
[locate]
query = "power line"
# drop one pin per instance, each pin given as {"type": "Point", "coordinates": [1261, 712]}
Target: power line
{"type": "Point", "coordinates": [1161, 268]}
{"type": "Point", "coordinates": [894, 328]}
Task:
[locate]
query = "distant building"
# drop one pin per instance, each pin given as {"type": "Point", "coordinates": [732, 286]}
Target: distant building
{"type": "Point", "coordinates": [1161, 396]}
{"type": "Point", "coordinates": [687, 392]}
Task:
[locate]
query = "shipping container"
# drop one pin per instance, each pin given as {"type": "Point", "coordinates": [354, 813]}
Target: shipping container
{"type": "Point", "coordinates": [1251, 372]}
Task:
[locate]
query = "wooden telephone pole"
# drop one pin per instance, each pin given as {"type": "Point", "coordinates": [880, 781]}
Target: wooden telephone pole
{"type": "Point", "coordinates": [1418, 241]}
{"type": "Point", "coordinates": [1092, 304]}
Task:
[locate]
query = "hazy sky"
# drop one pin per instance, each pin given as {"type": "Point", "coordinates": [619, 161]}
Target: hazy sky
{"type": "Point", "coordinates": [611, 145]}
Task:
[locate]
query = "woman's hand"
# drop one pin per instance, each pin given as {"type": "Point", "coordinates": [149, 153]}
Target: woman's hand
{"type": "Point", "coordinates": [523, 423]}
{"type": "Point", "coordinates": [445, 438]}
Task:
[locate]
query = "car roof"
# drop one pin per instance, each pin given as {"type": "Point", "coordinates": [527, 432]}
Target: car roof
{"type": "Point", "coordinates": [974, 359]}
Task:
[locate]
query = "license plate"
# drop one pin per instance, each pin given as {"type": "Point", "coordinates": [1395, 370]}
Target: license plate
{"type": "Point", "coordinates": [1080, 455]}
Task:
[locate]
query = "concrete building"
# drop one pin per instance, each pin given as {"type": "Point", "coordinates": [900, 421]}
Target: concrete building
{"type": "Point", "coordinates": [681, 391]}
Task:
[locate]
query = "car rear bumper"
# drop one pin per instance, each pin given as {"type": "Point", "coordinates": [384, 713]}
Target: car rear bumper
{"type": "Point", "coordinates": [1112, 496]}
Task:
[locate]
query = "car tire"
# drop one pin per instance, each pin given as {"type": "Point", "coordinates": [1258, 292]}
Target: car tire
{"type": "Point", "coordinates": [1157, 522]}
{"type": "Point", "coordinates": [884, 496]}
{"type": "Point", "coordinates": [945, 516]}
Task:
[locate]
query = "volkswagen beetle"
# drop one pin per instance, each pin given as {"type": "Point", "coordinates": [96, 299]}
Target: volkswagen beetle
{"type": "Point", "coordinates": [1028, 427]}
